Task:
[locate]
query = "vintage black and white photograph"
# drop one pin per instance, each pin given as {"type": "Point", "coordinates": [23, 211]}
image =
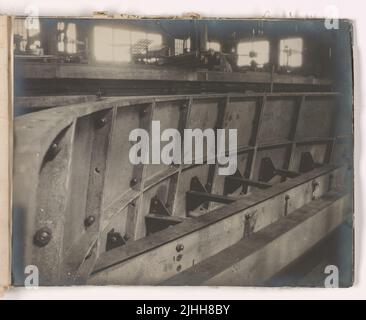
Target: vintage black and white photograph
{"type": "Point", "coordinates": [182, 152]}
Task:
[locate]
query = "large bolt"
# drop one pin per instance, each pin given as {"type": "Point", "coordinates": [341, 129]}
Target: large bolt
{"type": "Point", "coordinates": [42, 237]}
{"type": "Point", "coordinates": [54, 147]}
{"type": "Point", "coordinates": [113, 239]}
{"type": "Point", "coordinates": [89, 221]}
{"type": "Point", "coordinates": [100, 122]}
{"type": "Point", "coordinates": [179, 247]}
{"type": "Point", "coordinates": [53, 150]}
{"type": "Point", "coordinates": [133, 182]}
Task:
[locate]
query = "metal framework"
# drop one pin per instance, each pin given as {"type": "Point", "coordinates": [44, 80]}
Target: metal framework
{"type": "Point", "coordinates": [90, 216]}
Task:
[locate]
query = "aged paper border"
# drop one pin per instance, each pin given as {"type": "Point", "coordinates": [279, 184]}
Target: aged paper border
{"type": "Point", "coordinates": [6, 95]}
{"type": "Point", "coordinates": [5, 149]}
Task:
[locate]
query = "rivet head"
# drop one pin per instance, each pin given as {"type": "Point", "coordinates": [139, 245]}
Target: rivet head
{"type": "Point", "coordinates": [54, 146]}
{"type": "Point", "coordinates": [42, 237]}
{"type": "Point", "coordinates": [53, 150]}
{"type": "Point", "coordinates": [179, 257]}
{"type": "Point", "coordinates": [101, 122]}
{"type": "Point", "coordinates": [133, 182]}
{"type": "Point", "coordinates": [179, 268]}
{"type": "Point", "coordinates": [179, 247]}
{"type": "Point", "coordinates": [89, 221]}
{"type": "Point", "coordinates": [143, 111]}
{"type": "Point", "coordinates": [287, 197]}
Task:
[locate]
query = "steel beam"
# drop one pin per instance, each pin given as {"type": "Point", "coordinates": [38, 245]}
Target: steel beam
{"type": "Point", "coordinates": [242, 264]}
{"type": "Point", "coordinates": [152, 260]}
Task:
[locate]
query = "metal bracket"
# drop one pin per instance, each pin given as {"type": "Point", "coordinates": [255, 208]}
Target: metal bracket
{"type": "Point", "coordinates": [267, 171]}
{"type": "Point", "coordinates": [114, 240]}
{"type": "Point", "coordinates": [307, 163]}
{"type": "Point", "coordinates": [158, 207]}
{"type": "Point", "coordinates": [155, 223]}
{"type": "Point", "coordinates": [236, 181]}
{"type": "Point", "coordinates": [159, 217]}
{"type": "Point", "coordinates": [199, 195]}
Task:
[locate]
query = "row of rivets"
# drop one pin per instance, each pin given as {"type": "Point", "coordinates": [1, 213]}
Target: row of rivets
{"type": "Point", "coordinates": [179, 248]}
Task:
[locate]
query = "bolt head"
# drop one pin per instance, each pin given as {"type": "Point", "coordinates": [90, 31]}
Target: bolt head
{"type": "Point", "coordinates": [89, 221]}
{"type": "Point", "coordinates": [100, 122]}
{"type": "Point", "coordinates": [42, 237]}
{"type": "Point", "coordinates": [179, 247]}
{"type": "Point", "coordinates": [53, 150]}
{"type": "Point", "coordinates": [54, 146]}
{"type": "Point", "coordinates": [133, 182]}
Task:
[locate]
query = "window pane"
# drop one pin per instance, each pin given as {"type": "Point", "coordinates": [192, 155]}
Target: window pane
{"type": "Point", "coordinates": [188, 44]}
{"type": "Point", "coordinates": [103, 40]}
{"type": "Point", "coordinates": [122, 54]}
{"type": "Point", "coordinates": [291, 52]}
{"type": "Point", "coordinates": [33, 27]}
{"type": "Point", "coordinates": [254, 51]}
{"type": "Point", "coordinates": [137, 36]}
{"type": "Point", "coordinates": [121, 36]}
{"type": "Point", "coordinates": [115, 44]}
{"type": "Point", "coordinates": [156, 40]}
{"type": "Point", "coordinates": [71, 38]}
{"type": "Point", "coordinates": [178, 46]}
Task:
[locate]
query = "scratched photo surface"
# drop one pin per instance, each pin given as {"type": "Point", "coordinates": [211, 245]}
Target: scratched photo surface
{"type": "Point", "coordinates": [175, 152]}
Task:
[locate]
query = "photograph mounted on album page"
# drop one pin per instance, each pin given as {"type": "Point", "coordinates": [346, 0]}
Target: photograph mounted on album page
{"type": "Point", "coordinates": [177, 152]}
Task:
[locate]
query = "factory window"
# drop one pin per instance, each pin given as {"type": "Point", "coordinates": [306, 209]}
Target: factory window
{"type": "Point", "coordinates": [118, 45]}
{"type": "Point", "coordinates": [181, 46]}
{"type": "Point", "coordinates": [27, 36]}
{"type": "Point", "coordinates": [66, 38]}
{"type": "Point", "coordinates": [213, 46]}
{"type": "Point", "coordinates": [187, 44]}
{"type": "Point", "coordinates": [178, 46]}
{"type": "Point", "coordinates": [253, 52]}
{"type": "Point", "coordinates": [291, 52]}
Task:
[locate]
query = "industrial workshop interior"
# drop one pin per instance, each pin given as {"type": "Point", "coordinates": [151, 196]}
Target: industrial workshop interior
{"type": "Point", "coordinates": [85, 214]}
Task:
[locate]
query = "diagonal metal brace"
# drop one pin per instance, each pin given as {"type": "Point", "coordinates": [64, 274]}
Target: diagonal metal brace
{"type": "Point", "coordinates": [307, 162]}
{"type": "Point", "coordinates": [155, 223]}
{"type": "Point", "coordinates": [236, 181]}
{"type": "Point", "coordinates": [197, 195]}
{"type": "Point", "coordinates": [267, 171]}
